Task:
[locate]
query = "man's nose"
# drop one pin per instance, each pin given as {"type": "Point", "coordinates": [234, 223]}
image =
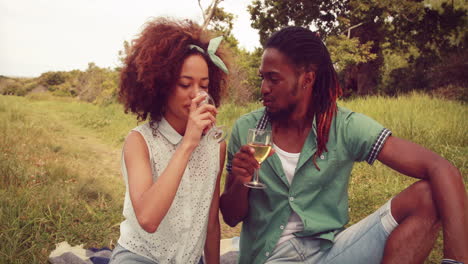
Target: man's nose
{"type": "Point", "coordinates": [264, 88]}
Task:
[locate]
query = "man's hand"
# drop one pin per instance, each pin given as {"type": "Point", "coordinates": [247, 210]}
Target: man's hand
{"type": "Point", "coordinates": [244, 164]}
{"type": "Point", "coordinates": [234, 200]}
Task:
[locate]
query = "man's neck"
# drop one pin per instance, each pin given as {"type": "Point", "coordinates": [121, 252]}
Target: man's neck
{"type": "Point", "coordinates": [290, 133]}
{"type": "Point", "coordinates": [291, 123]}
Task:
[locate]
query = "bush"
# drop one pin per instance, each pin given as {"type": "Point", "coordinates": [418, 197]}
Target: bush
{"type": "Point", "coordinates": [53, 78]}
{"type": "Point", "coordinates": [14, 89]}
{"type": "Point", "coordinates": [452, 92]}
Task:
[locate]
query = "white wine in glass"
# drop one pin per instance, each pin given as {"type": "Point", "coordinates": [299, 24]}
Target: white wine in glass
{"type": "Point", "coordinates": [261, 151]}
{"type": "Point", "coordinates": [218, 133]}
{"type": "Point", "coordinates": [260, 140]}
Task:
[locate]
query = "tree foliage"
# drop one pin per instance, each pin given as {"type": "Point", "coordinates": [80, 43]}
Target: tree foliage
{"type": "Point", "coordinates": [269, 16]}
{"type": "Point", "coordinates": [348, 51]}
{"type": "Point", "coordinates": [53, 78]}
{"type": "Point", "coordinates": [382, 27]}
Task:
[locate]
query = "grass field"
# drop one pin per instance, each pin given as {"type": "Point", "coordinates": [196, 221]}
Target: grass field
{"type": "Point", "coordinates": [60, 178]}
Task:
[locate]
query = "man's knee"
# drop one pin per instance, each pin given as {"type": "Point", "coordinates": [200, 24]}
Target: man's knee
{"type": "Point", "coordinates": [423, 196]}
{"type": "Point", "coordinates": [416, 200]}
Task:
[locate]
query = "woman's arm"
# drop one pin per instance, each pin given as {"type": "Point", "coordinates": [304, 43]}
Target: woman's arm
{"type": "Point", "coordinates": [213, 235]}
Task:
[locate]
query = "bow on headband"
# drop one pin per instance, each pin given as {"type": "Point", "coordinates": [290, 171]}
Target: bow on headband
{"type": "Point", "coordinates": [212, 47]}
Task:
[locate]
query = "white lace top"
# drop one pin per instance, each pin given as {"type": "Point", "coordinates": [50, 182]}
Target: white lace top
{"type": "Point", "coordinates": [181, 235]}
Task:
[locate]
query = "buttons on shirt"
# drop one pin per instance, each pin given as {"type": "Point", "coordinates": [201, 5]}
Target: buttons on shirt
{"type": "Point", "coordinates": [282, 227]}
{"type": "Point", "coordinates": [267, 254]}
{"type": "Point", "coordinates": [291, 199]}
{"type": "Point", "coordinates": [322, 156]}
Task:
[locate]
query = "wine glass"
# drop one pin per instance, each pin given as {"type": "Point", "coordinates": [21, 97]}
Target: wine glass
{"type": "Point", "coordinates": [260, 140]}
{"type": "Point", "coordinates": [218, 133]}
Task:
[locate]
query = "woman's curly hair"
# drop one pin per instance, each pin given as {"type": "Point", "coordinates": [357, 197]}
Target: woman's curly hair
{"type": "Point", "coordinates": [154, 63]}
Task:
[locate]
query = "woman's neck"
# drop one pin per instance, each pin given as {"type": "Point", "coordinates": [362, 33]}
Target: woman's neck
{"type": "Point", "coordinates": [176, 123]}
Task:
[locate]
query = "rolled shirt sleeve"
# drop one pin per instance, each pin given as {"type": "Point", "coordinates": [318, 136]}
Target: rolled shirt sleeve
{"type": "Point", "coordinates": [364, 137]}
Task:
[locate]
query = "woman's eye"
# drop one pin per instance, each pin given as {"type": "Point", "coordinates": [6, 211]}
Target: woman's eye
{"type": "Point", "coordinates": [184, 85]}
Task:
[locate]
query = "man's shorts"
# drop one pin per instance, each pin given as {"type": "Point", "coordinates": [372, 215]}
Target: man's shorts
{"type": "Point", "coordinates": [362, 242]}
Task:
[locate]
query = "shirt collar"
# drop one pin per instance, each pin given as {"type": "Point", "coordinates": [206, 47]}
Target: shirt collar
{"type": "Point", "coordinates": [264, 122]}
{"type": "Point", "coordinates": [169, 132]}
{"type": "Point", "coordinates": [314, 126]}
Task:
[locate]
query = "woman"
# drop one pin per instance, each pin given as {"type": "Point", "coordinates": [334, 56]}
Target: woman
{"type": "Point", "coordinates": [171, 170]}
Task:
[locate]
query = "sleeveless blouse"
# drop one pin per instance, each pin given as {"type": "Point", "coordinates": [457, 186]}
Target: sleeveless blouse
{"type": "Point", "coordinates": [180, 237]}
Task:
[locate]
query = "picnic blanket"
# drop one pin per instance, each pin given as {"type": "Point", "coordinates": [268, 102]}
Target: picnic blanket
{"type": "Point", "coordinates": [64, 253]}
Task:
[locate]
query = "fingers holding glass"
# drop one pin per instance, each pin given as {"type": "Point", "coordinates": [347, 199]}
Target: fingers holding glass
{"type": "Point", "coordinates": [217, 133]}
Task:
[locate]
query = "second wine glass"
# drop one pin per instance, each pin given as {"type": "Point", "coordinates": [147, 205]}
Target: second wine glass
{"type": "Point", "coordinates": [218, 133]}
{"type": "Point", "coordinates": [260, 140]}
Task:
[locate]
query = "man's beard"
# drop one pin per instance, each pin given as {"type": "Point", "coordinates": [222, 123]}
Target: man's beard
{"type": "Point", "coordinates": [282, 114]}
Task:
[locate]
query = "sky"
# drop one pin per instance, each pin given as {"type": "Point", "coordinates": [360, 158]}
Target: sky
{"type": "Point", "coordinates": [62, 35]}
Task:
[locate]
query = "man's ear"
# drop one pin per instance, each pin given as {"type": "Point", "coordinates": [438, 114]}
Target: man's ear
{"type": "Point", "coordinates": [309, 79]}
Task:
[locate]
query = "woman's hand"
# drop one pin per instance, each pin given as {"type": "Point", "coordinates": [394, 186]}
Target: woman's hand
{"type": "Point", "coordinates": [200, 119]}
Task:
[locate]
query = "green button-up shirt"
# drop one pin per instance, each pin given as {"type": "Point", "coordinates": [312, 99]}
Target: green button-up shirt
{"type": "Point", "coordinates": [320, 198]}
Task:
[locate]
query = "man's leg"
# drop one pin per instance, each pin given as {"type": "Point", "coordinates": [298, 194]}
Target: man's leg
{"type": "Point", "coordinates": [413, 239]}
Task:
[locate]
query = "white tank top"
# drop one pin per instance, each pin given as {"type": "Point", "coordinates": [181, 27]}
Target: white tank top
{"type": "Point", "coordinates": [180, 237]}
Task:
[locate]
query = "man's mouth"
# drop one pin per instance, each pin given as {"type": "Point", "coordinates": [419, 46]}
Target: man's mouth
{"type": "Point", "coordinates": [267, 102]}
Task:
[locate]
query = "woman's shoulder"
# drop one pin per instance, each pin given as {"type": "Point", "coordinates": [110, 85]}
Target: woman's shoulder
{"type": "Point", "coordinates": [140, 134]}
{"type": "Point", "coordinates": [142, 128]}
{"type": "Point", "coordinates": [145, 130]}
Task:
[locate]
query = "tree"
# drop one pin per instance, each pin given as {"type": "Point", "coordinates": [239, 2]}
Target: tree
{"type": "Point", "coordinates": [52, 78]}
{"type": "Point", "coordinates": [243, 71]}
{"type": "Point", "coordinates": [378, 23]}
{"type": "Point", "coordinates": [218, 20]}
{"type": "Point", "coordinates": [330, 18]}
{"type": "Point", "coordinates": [269, 16]}
{"type": "Point", "coordinates": [209, 12]}
{"type": "Point", "coordinates": [122, 55]}
{"type": "Point", "coordinates": [440, 36]}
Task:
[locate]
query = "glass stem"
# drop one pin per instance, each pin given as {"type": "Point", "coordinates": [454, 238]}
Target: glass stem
{"type": "Point", "coordinates": [256, 174]}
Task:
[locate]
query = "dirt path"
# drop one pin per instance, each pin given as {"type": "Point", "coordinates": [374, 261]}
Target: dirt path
{"type": "Point", "coordinates": [103, 158]}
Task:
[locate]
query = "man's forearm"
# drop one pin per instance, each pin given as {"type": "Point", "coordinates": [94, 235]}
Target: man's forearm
{"type": "Point", "coordinates": [234, 202]}
{"type": "Point", "coordinates": [212, 244]}
{"type": "Point", "coordinates": [452, 204]}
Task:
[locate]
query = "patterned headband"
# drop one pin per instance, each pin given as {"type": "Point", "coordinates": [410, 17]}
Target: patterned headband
{"type": "Point", "coordinates": [212, 47]}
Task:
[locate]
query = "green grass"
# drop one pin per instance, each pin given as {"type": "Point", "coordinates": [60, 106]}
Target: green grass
{"type": "Point", "coordinates": [60, 179]}
{"type": "Point", "coordinates": [51, 187]}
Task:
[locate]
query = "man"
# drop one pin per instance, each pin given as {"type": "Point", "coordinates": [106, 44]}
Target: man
{"type": "Point", "coordinates": [299, 217]}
